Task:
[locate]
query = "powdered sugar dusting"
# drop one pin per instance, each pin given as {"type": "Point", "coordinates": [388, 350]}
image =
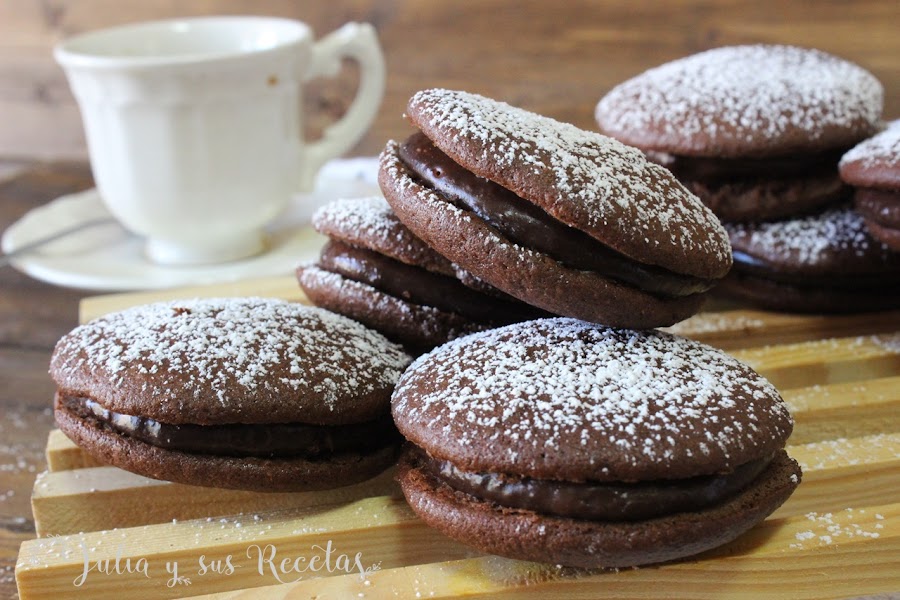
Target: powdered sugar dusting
{"type": "Point", "coordinates": [584, 177]}
{"type": "Point", "coordinates": [812, 240]}
{"type": "Point", "coordinates": [582, 400]}
{"type": "Point", "coordinates": [233, 352]}
{"type": "Point", "coordinates": [881, 149]}
{"type": "Point", "coordinates": [737, 95]}
{"type": "Point", "coordinates": [371, 214]}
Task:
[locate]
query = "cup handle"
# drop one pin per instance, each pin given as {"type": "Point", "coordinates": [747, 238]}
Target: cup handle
{"type": "Point", "coordinates": [356, 41]}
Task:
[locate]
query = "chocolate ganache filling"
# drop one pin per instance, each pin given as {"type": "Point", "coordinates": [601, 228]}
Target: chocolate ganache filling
{"type": "Point", "coordinates": [421, 286]}
{"type": "Point", "coordinates": [594, 501]}
{"type": "Point", "coordinates": [710, 169]}
{"type": "Point", "coordinates": [260, 440]}
{"type": "Point", "coordinates": [527, 225]}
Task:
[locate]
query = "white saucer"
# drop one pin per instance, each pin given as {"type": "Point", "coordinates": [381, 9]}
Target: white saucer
{"type": "Point", "coordinates": [106, 257]}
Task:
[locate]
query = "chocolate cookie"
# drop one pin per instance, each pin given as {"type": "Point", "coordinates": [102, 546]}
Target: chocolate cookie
{"type": "Point", "coordinates": [566, 220]}
{"type": "Point", "coordinates": [873, 167]}
{"type": "Point", "coordinates": [377, 272]}
{"type": "Point", "coordinates": [244, 393]}
{"type": "Point", "coordinates": [755, 131]}
{"type": "Point", "coordinates": [570, 443]}
{"type": "Point", "coordinates": [825, 263]}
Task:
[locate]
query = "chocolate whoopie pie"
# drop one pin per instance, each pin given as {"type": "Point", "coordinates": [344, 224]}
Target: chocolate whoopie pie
{"type": "Point", "coordinates": [566, 442]}
{"type": "Point", "coordinates": [244, 393]}
{"type": "Point", "coordinates": [566, 220]}
{"type": "Point", "coordinates": [824, 263]}
{"type": "Point", "coordinates": [873, 167]}
{"type": "Point", "coordinates": [374, 270]}
{"type": "Point", "coordinates": [755, 131]}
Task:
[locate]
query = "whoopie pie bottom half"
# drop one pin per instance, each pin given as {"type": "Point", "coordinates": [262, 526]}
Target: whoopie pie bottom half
{"type": "Point", "coordinates": [823, 263]}
{"type": "Point", "coordinates": [760, 189]}
{"type": "Point", "coordinates": [563, 442]}
{"type": "Point", "coordinates": [375, 271]}
{"type": "Point", "coordinates": [243, 393]}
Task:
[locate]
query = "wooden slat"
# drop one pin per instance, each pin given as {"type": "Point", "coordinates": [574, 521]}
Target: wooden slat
{"type": "Point", "coordinates": [745, 328]}
{"type": "Point", "coordinates": [826, 361]}
{"type": "Point", "coordinates": [781, 558]}
{"type": "Point", "coordinates": [844, 410]}
{"type": "Point", "coordinates": [64, 455]}
{"type": "Point", "coordinates": [93, 499]}
{"type": "Point", "coordinates": [383, 530]}
{"type": "Point", "coordinates": [860, 471]}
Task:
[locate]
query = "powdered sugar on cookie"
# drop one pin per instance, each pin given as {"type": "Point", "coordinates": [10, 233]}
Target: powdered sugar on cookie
{"type": "Point", "coordinates": [740, 100]}
{"type": "Point", "coordinates": [582, 178]}
{"type": "Point", "coordinates": [227, 356]}
{"type": "Point", "coordinates": [581, 401]}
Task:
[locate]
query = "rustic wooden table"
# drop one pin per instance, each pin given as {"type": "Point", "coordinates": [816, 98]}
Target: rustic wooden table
{"type": "Point", "coordinates": [33, 315]}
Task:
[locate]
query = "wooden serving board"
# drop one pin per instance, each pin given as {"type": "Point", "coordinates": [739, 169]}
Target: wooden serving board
{"type": "Point", "coordinates": [837, 537]}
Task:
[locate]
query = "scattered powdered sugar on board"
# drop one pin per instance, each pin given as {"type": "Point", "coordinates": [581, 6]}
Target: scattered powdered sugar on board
{"type": "Point", "coordinates": [715, 323]}
{"type": "Point", "coordinates": [832, 529]}
{"type": "Point", "coordinates": [883, 149]}
{"type": "Point", "coordinates": [237, 351]}
{"type": "Point", "coordinates": [827, 454]}
{"type": "Point", "coordinates": [563, 391]}
{"type": "Point", "coordinates": [810, 240]}
{"type": "Point", "coordinates": [735, 95]}
{"type": "Point", "coordinates": [888, 341]}
{"type": "Point", "coordinates": [576, 175]}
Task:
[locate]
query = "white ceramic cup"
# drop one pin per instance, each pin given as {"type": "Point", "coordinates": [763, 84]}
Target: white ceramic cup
{"type": "Point", "coordinates": [194, 125]}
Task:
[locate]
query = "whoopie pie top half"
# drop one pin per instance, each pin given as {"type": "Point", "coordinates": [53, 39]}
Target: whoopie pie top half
{"type": "Point", "coordinates": [563, 399]}
{"type": "Point", "coordinates": [875, 162]}
{"type": "Point", "coordinates": [583, 179]}
{"type": "Point", "coordinates": [230, 360]}
{"type": "Point", "coordinates": [745, 102]}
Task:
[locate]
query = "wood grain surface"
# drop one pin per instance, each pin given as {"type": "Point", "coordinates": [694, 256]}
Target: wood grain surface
{"type": "Point", "coordinates": [557, 58]}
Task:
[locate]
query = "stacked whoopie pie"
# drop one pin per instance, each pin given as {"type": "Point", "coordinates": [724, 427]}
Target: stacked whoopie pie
{"type": "Point", "coordinates": [563, 440]}
{"type": "Point", "coordinates": [374, 270]}
{"type": "Point", "coordinates": [757, 132]}
{"type": "Point", "coordinates": [498, 215]}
